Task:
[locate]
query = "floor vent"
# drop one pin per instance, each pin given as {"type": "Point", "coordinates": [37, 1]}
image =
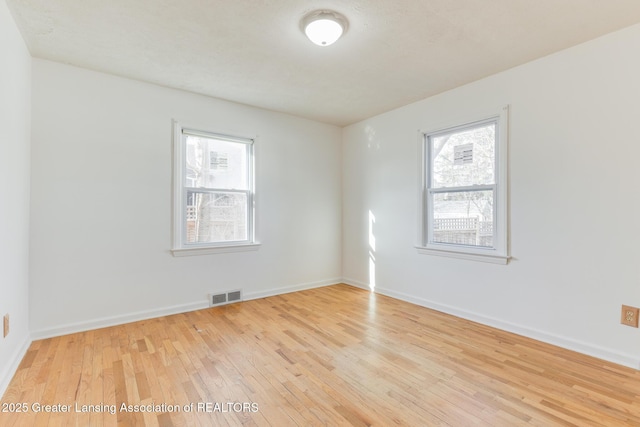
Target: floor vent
{"type": "Point", "coordinates": [225, 298]}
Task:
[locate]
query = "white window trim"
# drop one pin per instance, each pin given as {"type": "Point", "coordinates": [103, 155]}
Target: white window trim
{"type": "Point", "coordinates": [244, 247]}
{"type": "Point", "coordinates": [179, 248]}
{"type": "Point", "coordinates": [499, 254]}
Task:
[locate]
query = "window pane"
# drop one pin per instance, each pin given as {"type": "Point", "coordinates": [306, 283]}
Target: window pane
{"type": "Point", "coordinates": [463, 218]}
{"type": "Point", "coordinates": [216, 163]}
{"type": "Point", "coordinates": [464, 158]}
{"type": "Point", "coordinates": [216, 217]}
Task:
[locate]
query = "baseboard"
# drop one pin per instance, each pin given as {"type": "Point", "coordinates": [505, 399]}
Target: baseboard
{"type": "Point", "coordinates": [557, 340]}
{"type": "Point", "coordinates": [356, 283]}
{"type": "Point", "coordinates": [293, 288]}
{"type": "Point", "coordinates": [10, 369]}
{"type": "Point", "coordinates": [105, 322]}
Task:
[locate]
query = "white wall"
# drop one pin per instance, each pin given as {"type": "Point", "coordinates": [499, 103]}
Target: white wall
{"type": "Point", "coordinates": [15, 102]}
{"type": "Point", "coordinates": [575, 203]}
{"type": "Point", "coordinates": [101, 202]}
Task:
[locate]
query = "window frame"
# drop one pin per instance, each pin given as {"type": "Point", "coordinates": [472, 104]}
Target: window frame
{"type": "Point", "coordinates": [499, 252]}
{"type": "Point", "coordinates": [180, 247]}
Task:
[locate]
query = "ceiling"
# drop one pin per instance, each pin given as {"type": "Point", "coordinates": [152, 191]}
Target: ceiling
{"type": "Point", "coordinates": [253, 51]}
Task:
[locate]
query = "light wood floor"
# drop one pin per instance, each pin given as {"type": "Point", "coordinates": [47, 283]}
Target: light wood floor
{"type": "Point", "coordinates": [330, 356]}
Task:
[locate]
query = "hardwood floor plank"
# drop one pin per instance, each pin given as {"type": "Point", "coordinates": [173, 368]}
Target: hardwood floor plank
{"type": "Point", "coordinates": [333, 356]}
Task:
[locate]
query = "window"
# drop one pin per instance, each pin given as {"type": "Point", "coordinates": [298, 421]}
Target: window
{"type": "Point", "coordinates": [464, 197]}
{"type": "Point", "coordinates": [213, 192]}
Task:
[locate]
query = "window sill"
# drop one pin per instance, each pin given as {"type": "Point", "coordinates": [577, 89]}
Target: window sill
{"type": "Point", "coordinates": [490, 258]}
{"type": "Point", "coordinates": [245, 247]}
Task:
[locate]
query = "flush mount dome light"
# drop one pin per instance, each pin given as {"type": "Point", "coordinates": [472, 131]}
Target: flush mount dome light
{"type": "Point", "coordinates": [324, 27]}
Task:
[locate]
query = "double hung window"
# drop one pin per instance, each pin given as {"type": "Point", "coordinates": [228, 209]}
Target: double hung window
{"type": "Point", "coordinates": [464, 190]}
{"type": "Point", "coordinates": [213, 191]}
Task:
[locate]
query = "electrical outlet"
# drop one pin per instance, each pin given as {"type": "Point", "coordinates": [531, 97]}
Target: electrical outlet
{"type": "Point", "coordinates": [6, 325]}
{"type": "Point", "coordinates": [629, 316]}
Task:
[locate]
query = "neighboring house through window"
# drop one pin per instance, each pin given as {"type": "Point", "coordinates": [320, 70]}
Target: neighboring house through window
{"type": "Point", "coordinates": [213, 192]}
{"type": "Point", "coordinates": [464, 192]}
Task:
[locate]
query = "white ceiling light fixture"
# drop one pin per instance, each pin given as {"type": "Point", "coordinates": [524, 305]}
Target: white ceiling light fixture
{"type": "Point", "coordinates": [324, 27]}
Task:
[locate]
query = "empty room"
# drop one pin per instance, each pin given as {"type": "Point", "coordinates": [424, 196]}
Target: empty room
{"type": "Point", "coordinates": [301, 213]}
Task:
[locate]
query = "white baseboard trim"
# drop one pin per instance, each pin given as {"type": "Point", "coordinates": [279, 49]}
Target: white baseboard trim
{"type": "Point", "coordinates": [11, 368]}
{"type": "Point", "coordinates": [557, 340]}
{"type": "Point", "coordinates": [104, 322]}
{"type": "Point", "coordinates": [289, 289]}
{"type": "Point", "coordinates": [356, 283]}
